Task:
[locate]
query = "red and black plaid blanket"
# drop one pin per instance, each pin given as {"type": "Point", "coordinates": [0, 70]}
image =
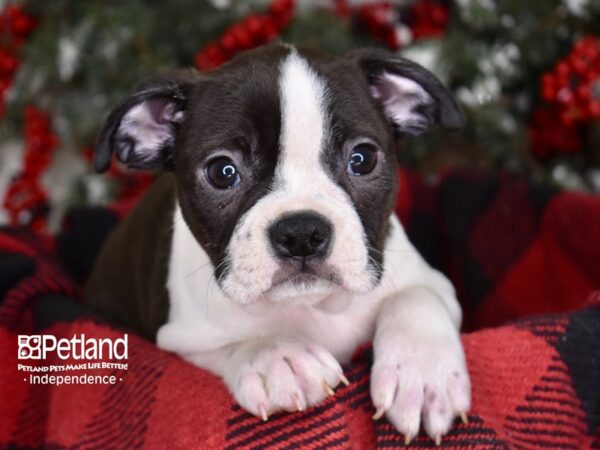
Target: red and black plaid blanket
{"type": "Point", "coordinates": [524, 258]}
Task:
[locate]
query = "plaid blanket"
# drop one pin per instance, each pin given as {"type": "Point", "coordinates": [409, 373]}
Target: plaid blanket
{"type": "Point", "coordinates": [511, 247]}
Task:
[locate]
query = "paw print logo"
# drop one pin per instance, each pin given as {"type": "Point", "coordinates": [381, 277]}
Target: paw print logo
{"type": "Point", "coordinates": [30, 347]}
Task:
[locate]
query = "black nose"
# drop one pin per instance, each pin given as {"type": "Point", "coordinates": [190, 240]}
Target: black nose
{"type": "Point", "coordinates": [300, 235]}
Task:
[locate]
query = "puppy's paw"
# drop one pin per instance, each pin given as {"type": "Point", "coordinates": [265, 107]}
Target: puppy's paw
{"type": "Point", "coordinates": [415, 379]}
{"type": "Point", "coordinates": [284, 375]}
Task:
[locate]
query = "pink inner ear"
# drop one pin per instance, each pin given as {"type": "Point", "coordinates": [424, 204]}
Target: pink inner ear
{"type": "Point", "coordinates": [149, 125]}
{"type": "Point", "coordinates": [400, 96]}
{"type": "Point", "coordinates": [164, 111]}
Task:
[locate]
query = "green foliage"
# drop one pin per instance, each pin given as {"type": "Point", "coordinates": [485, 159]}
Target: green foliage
{"type": "Point", "coordinates": [326, 32]}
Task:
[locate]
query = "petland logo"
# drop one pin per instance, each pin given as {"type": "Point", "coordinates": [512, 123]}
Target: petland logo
{"type": "Point", "coordinates": [78, 347]}
{"type": "Point", "coordinates": [97, 354]}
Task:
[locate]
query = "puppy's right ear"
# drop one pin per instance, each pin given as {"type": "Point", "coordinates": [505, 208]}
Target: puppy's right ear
{"type": "Point", "coordinates": [142, 129]}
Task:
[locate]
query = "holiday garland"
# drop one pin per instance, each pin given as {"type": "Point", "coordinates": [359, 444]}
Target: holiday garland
{"type": "Point", "coordinates": [571, 91]}
{"type": "Point", "coordinates": [254, 30]}
{"type": "Point", "coordinates": [398, 26]}
{"type": "Point", "coordinates": [573, 86]}
{"type": "Point", "coordinates": [26, 201]}
{"type": "Point", "coordinates": [15, 28]}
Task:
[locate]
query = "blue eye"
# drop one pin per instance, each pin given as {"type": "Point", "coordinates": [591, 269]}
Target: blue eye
{"type": "Point", "coordinates": [222, 173]}
{"type": "Point", "coordinates": [362, 160]}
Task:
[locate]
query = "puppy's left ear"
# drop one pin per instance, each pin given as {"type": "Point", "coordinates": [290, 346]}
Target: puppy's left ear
{"type": "Point", "coordinates": [411, 96]}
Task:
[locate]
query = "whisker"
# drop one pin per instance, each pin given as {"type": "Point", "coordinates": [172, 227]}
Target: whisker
{"type": "Point", "coordinates": [207, 295]}
{"type": "Point", "coordinates": [203, 266]}
{"type": "Point", "coordinates": [389, 283]}
{"type": "Point", "coordinates": [213, 283]}
{"type": "Point", "coordinates": [174, 222]}
{"type": "Point", "coordinates": [373, 249]}
{"type": "Point", "coordinates": [412, 250]}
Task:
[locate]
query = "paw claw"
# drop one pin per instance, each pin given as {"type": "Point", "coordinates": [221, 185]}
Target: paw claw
{"type": "Point", "coordinates": [328, 389]}
{"type": "Point", "coordinates": [407, 440]}
{"type": "Point", "coordinates": [344, 380]}
{"type": "Point", "coordinates": [263, 412]}
{"type": "Point", "coordinates": [378, 414]}
{"type": "Point", "coordinates": [298, 403]}
{"type": "Point", "coordinates": [464, 418]}
{"type": "Point", "coordinates": [438, 440]}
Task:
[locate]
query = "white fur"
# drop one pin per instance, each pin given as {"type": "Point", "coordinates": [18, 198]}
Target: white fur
{"type": "Point", "coordinates": [276, 349]}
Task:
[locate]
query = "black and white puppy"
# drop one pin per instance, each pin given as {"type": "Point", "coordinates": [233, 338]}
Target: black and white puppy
{"type": "Point", "coordinates": [270, 250]}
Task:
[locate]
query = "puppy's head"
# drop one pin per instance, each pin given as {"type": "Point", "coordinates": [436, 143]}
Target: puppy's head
{"type": "Point", "coordinates": [284, 160]}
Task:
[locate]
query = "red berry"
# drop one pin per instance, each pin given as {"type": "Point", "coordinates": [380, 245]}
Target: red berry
{"type": "Point", "coordinates": [8, 63]}
{"type": "Point", "coordinates": [269, 31]}
{"type": "Point", "coordinates": [281, 6]}
{"type": "Point", "coordinates": [577, 64]}
{"type": "Point", "coordinates": [548, 86]}
{"type": "Point", "coordinates": [565, 96]}
{"type": "Point", "coordinates": [253, 24]}
{"type": "Point", "coordinates": [592, 52]}
{"type": "Point", "coordinates": [592, 75]}
{"type": "Point", "coordinates": [243, 38]}
{"type": "Point", "coordinates": [439, 15]}
{"type": "Point", "coordinates": [228, 41]}
{"type": "Point", "coordinates": [583, 92]}
{"type": "Point", "coordinates": [23, 25]}
{"type": "Point", "coordinates": [212, 56]}
{"type": "Point", "coordinates": [13, 12]}
{"type": "Point", "coordinates": [342, 8]}
{"type": "Point", "coordinates": [562, 69]}
{"type": "Point", "coordinates": [391, 39]}
{"type": "Point", "coordinates": [593, 109]}
{"type": "Point", "coordinates": [5, 83]}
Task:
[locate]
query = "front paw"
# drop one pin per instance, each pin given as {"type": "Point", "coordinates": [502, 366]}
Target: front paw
{"type": "Point", "coordinates": [284, 374]}
{"type": "Point", "coordinates": [416, 380]}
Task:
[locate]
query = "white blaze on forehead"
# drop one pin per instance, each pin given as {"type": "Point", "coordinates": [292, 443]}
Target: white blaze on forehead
{"type": "Point", "coordinates": [304, 117]}
{"type": "Point", "coordinates": [301, 182]}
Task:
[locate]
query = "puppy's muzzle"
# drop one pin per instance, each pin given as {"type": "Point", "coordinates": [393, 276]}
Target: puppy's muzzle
{"type": "Point", "coordinates": [301, 236]}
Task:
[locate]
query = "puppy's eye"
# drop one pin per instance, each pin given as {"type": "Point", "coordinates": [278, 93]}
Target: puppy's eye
{"type": "Point", "coordinates": [362, 160]}
{"type": "Point", "coordinates": [222, 173]}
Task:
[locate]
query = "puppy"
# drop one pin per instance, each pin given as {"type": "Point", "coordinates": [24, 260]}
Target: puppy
{"type": "Point", "coordinates": [269, 250]}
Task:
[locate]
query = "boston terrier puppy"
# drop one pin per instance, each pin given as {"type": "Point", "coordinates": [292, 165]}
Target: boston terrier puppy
{"type": "Point", "coordinates": [269, 249]}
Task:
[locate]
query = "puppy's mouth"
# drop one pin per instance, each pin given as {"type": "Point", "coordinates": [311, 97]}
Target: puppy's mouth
{"type": "Point", "coordinates": [302, 280]}
{"type": "Point", "coordinates": [303, 275]}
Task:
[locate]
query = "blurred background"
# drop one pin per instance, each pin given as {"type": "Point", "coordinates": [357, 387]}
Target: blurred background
{"type": "Point", "coordinates": [526, 73]}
